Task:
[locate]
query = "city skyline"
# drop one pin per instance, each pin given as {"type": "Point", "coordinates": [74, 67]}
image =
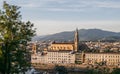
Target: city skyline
{"type": "Point", "coordinates": [53, 16]}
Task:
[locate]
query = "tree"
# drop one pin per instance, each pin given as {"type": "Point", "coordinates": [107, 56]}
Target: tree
{"type": "Point", "coordinates": [116, 71]}
{"type": "Point", "coordinates": [60, 70]}
{"type": "Point", "coordinates": [14, 35]}
{"type": "Point", "coordinates": [98, 69]}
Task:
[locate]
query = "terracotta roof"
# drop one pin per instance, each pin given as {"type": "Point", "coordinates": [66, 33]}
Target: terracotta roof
{"type": "Point", "coordinates": [59, 50]}
{"type": "Point", "coordinates": [102, 53]}
{"type": "Point", "coordinates": [64, 43]}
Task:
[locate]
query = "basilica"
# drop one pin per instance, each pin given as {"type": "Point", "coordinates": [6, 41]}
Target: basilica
{"type": "Point", "coordinates": [66, 46]}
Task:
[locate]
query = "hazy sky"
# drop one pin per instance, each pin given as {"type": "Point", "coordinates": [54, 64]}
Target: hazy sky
{"type": "Point", "coordinates": [52, 16]}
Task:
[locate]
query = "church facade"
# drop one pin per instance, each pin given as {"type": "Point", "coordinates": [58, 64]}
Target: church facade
{"type": "Point", "coordinates": [66, 45]}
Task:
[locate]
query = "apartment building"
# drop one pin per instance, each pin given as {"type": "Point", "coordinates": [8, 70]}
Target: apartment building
{"type": "Point", "coordinates": [112, 59]}
{"type": "Point", "coordinates": [54, 57]}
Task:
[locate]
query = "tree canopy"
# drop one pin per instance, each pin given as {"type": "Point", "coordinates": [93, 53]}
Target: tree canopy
{"type": "Point", "coordinates": [61, 70]}
{"type": "Point", "coordinates": [14, 35]}
{"type": "Point", "coordinates": [116, 71]}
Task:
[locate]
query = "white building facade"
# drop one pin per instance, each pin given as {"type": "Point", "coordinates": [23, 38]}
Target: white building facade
{"type": "Point", "coordinates": [54, 57]}
{"type": "Point", "coordinates": [112, 59]}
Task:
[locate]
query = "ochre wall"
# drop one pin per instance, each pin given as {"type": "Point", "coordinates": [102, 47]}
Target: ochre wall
{"type": "Point", "coordinates": [61, 47]}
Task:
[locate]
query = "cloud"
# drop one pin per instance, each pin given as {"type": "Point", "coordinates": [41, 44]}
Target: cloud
{"type": "Point", "coordinates": [52, 26]}
{"type": "Point", "coordinates": [109, 5]}
{"type": "Point", "coordinates": [70, 5]}
{"type": "Point", "coordinates": [64, 9]}
{"type": "Point", "coordinates": [73, 4]}
{"type": "Point", "coordinates": [29, 5]}
{"type": "Point", "coordinates": [103, 4]}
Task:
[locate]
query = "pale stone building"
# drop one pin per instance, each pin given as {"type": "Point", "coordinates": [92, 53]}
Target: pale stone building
{"type": "Point", "coordinates": [112, 59]}
{"type": "Point", "coordinates": [78, 58]}
{"type": "Point", "coordinates": [54, 57]}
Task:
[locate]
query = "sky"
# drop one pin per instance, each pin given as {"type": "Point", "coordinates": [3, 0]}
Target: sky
{"type": "Point", "coordinates": [53, 16]}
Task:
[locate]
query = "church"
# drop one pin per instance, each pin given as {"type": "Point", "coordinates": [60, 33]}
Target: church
{"type": "Point", "coordinates": [66, 45]}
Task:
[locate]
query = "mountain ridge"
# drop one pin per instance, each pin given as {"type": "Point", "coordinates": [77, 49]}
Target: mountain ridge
{"type": "Point", "coordinates": [84, 35]}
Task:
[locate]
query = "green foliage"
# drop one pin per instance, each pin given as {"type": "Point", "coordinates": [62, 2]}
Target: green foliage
{"type": "Point", "coordinates": [98, 69]}
{"type": "Point", "coordinates": [60, 70]}
{"type": "Point", "coordinates": [14, 35]}
{"type": "Point", "coordinates": [116, 71]}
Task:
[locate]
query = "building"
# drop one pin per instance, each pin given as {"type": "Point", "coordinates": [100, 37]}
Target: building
{"type": "Point", "coordinates": [110, 59]}
{"type": "Point", "coordinates": [66, 46]}
{"type": "Point", "coordinates": [54, 57]}
{"type": "Point", "coordinates": [57, 53]}
{"type": "Point", "coordinates": [78, 58]}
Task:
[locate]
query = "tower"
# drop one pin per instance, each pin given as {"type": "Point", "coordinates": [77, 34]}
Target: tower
{"type": "Point", "coordinates": [34, 48]}
{"type": "Point", "coordinates": [76, 41]}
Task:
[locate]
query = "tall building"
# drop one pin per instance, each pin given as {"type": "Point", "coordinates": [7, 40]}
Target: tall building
{"type": "Point", "coordinates": [34, 48]}
{"type": "Point", "coordinates": [76, 41]}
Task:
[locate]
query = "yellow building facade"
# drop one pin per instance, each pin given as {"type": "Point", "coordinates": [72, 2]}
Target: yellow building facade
{"type": "Point", "coordinates": [66, 46]}
{"type": "Point", "coordinates": [61, 46]}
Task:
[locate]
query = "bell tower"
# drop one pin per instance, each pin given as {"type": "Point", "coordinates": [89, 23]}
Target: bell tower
{"type": "Point", "coordinates": [76, 40]}
{"type": "Point", "coordinates": [34, 48]}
